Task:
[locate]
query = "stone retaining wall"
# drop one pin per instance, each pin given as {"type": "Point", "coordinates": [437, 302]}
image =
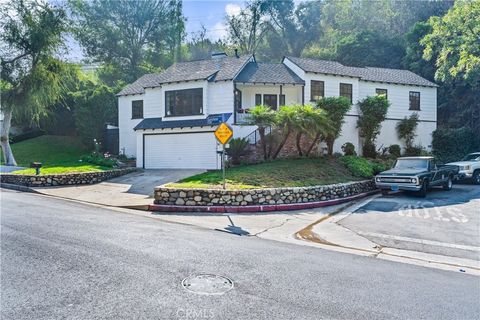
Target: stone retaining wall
{"type": "Point", "coordinates": [62, 179]}
{"type": "Point", "coordinates": [277, 196]}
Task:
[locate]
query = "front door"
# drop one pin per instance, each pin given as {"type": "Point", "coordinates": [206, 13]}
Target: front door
{"type": "Point", "coordinates": [270, 100]}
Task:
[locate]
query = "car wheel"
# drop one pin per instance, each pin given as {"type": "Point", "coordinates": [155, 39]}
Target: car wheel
{"type": "Point", "coordinates": [448, 185]}
{"type": "Point", "coordinates": [476, 177]}
{"type": "Point", "coordinates": [423, 192]}
{"type": "Point", "coordinates": [384, 192]}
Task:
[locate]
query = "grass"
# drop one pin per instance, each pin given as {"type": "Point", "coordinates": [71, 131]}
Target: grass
{"type": "Point", "coordinates": [58, 154]}
{"type": "Point", "coordinates": [277, 173]}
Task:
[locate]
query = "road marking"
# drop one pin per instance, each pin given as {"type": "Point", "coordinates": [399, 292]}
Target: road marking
{"type": "Point", "coordinates": [421, 241]}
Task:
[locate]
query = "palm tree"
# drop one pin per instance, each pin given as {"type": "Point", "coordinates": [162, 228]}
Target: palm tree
{"type": "Point", "coordinates": [262, 117]}
{"type": "Point", "coordinates": [287, 120]}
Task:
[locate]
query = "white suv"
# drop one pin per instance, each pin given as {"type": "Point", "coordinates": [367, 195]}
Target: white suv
{"type": "Point", "coordinates": [469, 167]}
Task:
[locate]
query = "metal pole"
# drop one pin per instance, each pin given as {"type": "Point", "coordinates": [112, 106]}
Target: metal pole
{"type": "Point", "coordinates": [223, 166]}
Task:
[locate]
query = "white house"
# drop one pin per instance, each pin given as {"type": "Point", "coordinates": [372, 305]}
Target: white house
{"type": "Point", "coordinates": [167, 120]}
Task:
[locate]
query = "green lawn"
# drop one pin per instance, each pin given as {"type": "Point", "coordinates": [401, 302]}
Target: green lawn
{"type": "Point", "coordinates": [278, 173]}
{"type": "Point", "coordinates": [58, 154]}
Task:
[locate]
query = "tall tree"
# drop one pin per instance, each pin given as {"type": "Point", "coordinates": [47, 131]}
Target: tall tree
{"type": "Point", "coordinates": [31, 78]}
{"type": "Point", "coordinates": [455, 42]}
{"type": "Point", "coordinates": [247, 29]}
{"type": "Point", "coordinates": [133, 36]}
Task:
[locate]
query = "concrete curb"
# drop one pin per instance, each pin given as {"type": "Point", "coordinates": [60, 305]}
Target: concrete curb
{"type": "Point", "coordinates": [257, 208]}
{"type": "Point", "coordinates": [17, 187]}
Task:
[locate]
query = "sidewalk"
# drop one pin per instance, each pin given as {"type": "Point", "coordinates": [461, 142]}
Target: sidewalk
{"type": "Point", "coordinates": [133, 190]}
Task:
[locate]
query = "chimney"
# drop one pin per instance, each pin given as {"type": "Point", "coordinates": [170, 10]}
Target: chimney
{"type": "Point", "coordinates": [219, 55]}
{"type": "Point", "coordinates": [236, 53]}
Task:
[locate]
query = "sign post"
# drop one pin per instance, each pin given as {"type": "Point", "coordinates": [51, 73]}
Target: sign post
{"type": "Point", "coordinates": [223, 133]}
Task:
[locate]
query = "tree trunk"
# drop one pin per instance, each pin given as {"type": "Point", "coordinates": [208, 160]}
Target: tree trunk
{"type": "Point", "coordinates": [314, 142]}
{"type": "Point", "coordinates": [330, 142]}
{"type": "Point", "coordinates": [261, 132]}
{"type": "Point", "coordinates": [299, 144]}
{"type": "Point", "coordinates": [4, 138]}
{"type": "Point", "coordinates": [282, 143]}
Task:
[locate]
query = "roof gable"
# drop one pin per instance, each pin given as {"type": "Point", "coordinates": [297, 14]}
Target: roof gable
{"type": "Point", "coordinates": [262, 72]}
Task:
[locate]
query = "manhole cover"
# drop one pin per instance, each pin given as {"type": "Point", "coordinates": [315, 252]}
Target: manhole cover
{"type": "Point", "coordinates": [209, 284]}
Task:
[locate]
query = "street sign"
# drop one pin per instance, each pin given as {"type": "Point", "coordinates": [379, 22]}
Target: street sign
{"type": "Point", "coordinates": [223, 133]}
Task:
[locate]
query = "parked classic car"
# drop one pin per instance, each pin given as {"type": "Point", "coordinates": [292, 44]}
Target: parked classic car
{"type": "Point", "coordinates": [469, 167]}
{"type": "Point", "coordinates": [416, 174]}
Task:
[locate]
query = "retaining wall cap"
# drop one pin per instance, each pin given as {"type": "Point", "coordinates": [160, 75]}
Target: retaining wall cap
{"type": "Point", "coordinates": [281, 189]}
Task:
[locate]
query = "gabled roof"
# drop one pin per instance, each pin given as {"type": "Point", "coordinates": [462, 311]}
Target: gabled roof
{"type": "Point", "coordinates": [158, 123]}
{"type": "Point", "coordinates": [217, 69]}
{"type": "Point", "coordinates": [395, 76]}
{"type": "Point", "coordinates": [261, 72]}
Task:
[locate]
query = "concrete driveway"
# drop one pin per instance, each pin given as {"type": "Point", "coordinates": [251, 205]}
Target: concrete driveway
{"type": "Point", "coordinates": [445, 223]}
{"type": "Point", "coordinates": [133, 190]}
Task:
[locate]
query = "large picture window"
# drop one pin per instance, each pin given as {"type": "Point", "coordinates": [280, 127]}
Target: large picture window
{"type": "Point", "coordinates": [414, 100]}
{"type": "Point", "coordinates": [188, 102]}
{"type": "Point", "coordinates": [317, 90]}
{"type": "Point", "coordinates": [346, 91]}
{"type": "Point", "coordinates": [137, 109]}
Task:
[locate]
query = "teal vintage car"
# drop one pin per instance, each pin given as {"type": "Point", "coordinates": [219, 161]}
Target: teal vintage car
{"type": "Point", "coordinates": [416, 174]}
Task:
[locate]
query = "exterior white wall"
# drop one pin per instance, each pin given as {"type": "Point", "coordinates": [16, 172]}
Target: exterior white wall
{"type": "Point", "coordinates": [220, 97]}
{"type": "Point", "coordinates": [398, 96]}
{"type": "Point", "coordinates": [127, 140]}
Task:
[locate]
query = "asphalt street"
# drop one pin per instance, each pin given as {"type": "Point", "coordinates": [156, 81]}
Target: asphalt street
{"type": "Point", "coordinates": [66, 260]}
{"type": "Point", "coordinates": [445, 222]}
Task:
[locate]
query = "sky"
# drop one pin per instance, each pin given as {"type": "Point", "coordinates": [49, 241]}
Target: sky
{"type": "Point", "coordinates": [210, 14]}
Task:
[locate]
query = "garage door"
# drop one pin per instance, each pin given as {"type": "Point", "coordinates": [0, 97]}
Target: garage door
{"type": "Point", "coordinates": [182, 151]}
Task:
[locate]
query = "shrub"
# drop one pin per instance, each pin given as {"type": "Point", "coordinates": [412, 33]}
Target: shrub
{"type": "Point", "coordinates": [336, 108]}
{"type": "Point", "coordinates": [373, 113]}
{"type": "Point", "coordinates": [395, 150]}
{"type": "Point", "coordinates": [406, 129]}
{"type": "Point", "coordinates": [453, 144]}
{"type": "Point", "coordinates": [99, 159]}
{"type": "Point", "coordinates": [238, 148]}
{"type": "Point", "coordinates": [358, 166]}
{"type": "Point", "coordinates": [348, 149]}
{"type": "Point", "coordinates": [414, 150]}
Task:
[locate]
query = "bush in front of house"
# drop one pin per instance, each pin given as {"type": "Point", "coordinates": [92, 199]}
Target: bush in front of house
{"type": "Point", "coordinates": [394, 150]}
{"type": "Point", "coordinates": [453, 144]}
{"type": "Point", "coordinates": [348, 149]}
{"type": "Point", "coordinates": [406, 130]}
{"type": "Point", "coordinates": [237, 149]}
{"type": "Point", "coordinates": [413, 151]}
{"type": "Point", "coordinates": [373, 112]}
{"type": "Point", "coordinates": [99, 159]}
{"type": "Point", "coordinates": [358, 166]}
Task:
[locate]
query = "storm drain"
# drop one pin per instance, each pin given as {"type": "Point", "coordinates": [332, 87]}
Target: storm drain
{"type": "Point", "coordinates": [208, 284]}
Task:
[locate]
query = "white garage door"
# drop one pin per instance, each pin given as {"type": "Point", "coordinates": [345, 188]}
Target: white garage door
{"type": "Point", "coordinates": [182, 151]}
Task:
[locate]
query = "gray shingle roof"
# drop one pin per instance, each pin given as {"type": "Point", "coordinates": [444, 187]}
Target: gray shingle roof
{"type": "Point", "coordinates": [260, 72]}
{"type": "Point", "coordinates": [395, 76]}
{"type": "Point", "coordinates": [217, 69]}
{"type": "Point", "coordinates": [158, 123]}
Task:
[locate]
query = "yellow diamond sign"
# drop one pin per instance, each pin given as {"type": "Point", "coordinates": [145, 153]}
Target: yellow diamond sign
{"type": "Point", "coordinates": [223, 133]}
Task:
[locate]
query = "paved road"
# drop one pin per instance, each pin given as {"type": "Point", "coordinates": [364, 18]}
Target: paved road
{"type": "Point", "coordinates": [445, 222]}
{"type": "Point", "coordinates": [64, 260]}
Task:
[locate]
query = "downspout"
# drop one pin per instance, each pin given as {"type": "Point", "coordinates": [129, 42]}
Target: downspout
{"type": "Point", "coordinates": [303, 95]}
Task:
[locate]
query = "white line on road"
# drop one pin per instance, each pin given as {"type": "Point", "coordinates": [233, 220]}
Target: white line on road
{"type": "Point", "coordinates": [421, 241]}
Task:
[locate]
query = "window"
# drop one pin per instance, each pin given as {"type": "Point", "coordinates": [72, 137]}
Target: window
{"type": "Point", "coordinates": [184, 102]}
{"type": "Point", "coordinates": [346, 91]}
{"type": "Point", "coordinates": [238, 99]}
{"type": "Point", "coordinates": [282, 99]}
{"type": "Point", "coordinates": [414, 100]}
{"type": "Point", "coordinates": [382, 92]}
{"type": "Point", "coordinates": [258, 99]}
{"type": "Point", "coordinates": [317, 90]}
{"type": "Point", "coordinates": [270, 100]}
{"type": "Point", "coordinates": [137, 109]}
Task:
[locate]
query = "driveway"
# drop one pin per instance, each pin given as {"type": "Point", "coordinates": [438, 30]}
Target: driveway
{"type": "Point", "coordinates": [445, 222]}
{"type": "Point", "coordinates": [133, 190]}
